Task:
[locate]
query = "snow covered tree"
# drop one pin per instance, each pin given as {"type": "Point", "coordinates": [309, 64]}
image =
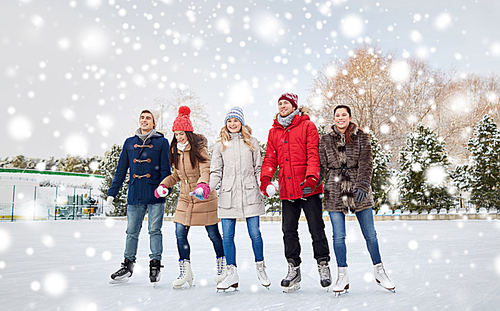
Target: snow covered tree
{"type": "Point", "coordinates": [107, 168]}
{"type": "Point", "coordinates": [484, 164]}
{"type": "Point", "coordinates": [423, 171]}
{"type": "Point", "coordinates": [381, 174]}
{"type": "Point", "coordinates": [72, 164]}
{"type": "Point", "coordinates": [272, 204]}
{"type": "Point", "coordinates": [172, 199]}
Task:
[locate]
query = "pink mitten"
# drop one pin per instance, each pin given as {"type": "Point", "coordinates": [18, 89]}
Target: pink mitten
{"type": "Point", "coordinates": [201, 192]}
{"type": "Point", "coordinates": [161, 191]}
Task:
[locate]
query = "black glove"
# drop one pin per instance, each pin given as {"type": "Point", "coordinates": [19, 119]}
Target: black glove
{"type": "Point", "coordinates": [360, 195]}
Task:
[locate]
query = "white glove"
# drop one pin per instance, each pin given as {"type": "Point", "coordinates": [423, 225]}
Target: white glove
{"type": "Point", "coordinates": [271, 190]}
{"type": "Point", "coordinates": [110, 202]}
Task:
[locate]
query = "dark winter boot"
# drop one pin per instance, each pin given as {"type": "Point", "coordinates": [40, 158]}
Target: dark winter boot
{"type": "Point", "coordinates": [154, 271]}
{"type": "Point", "coordinates": [124, 273]}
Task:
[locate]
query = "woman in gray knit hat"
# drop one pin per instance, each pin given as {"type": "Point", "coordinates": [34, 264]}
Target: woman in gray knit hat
{"type": "Point", "coordinates": [236, 163]}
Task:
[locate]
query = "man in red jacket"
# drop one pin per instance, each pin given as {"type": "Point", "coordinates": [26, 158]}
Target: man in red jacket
{"type": "Point", "coordinates": [292, 145]}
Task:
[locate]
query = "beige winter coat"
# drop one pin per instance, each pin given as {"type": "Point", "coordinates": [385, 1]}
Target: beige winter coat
{"type": "Point", "coordinates": [359, 167]}
{"type": "Point", "coordinates": [191, 211]}
{"type": "Point", "coordinates": [237, 168]}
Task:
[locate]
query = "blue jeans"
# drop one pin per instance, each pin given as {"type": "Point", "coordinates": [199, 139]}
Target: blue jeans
{"type": "Point", "coordinates": [135, 217]}
{"type": "Point", "coordinates": [228, 229]}
{"type": "Point", "coordinates": [365, 219]}
{"type": "Point", "coordinates": [181, 232]}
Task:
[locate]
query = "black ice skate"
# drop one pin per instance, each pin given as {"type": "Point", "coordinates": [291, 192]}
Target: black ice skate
{"type": "Point", "coordinates": [292, 280]}
{"type": "Point", "coordinates": [154, 271]}
{"type": "Point", "coordinates": [325, 277]}
{"type": "Point", "coordinates": [124, 273]}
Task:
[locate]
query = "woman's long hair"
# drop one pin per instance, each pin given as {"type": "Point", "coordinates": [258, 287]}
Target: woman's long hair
{"type": "Point", "coordinates": [197, 142]}
{"type": "Point", "coordinates": [247, 135]}
{"type": "Point", "coordinates": [348, 138]}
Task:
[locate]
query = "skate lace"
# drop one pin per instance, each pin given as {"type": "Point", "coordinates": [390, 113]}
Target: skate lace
{"type": "Point", "coordinates": [381, 275]}
{"type": "Point", "coordinates": [262, 272]}
{"type": "Point", "coordinates": [292, 272]}
{"type": "Point", "coordinates": [220, 265]}
{"type": "Point", "coordinates": [182, 268]}
{"type": "Point", "coordinates": [324, 271]}
{"type": "Point", "coordinates": [123, 269]}
{"type": "Point", "coordinates": [340, 278]}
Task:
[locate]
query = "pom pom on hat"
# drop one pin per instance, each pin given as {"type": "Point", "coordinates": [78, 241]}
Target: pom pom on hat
{"type": "Point", "coordinates": [292, 98]}
{"type": "Point", "coordinates": [235, 112]}
{"type": "Point", "coordinates": [182, 122]}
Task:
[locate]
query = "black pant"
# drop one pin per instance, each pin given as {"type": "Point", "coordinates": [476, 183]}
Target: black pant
{"type": "Point", "coordinates": [290, 225]}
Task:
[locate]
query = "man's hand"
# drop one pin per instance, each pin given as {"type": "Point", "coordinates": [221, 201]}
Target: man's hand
{"type": "Point", "coordinates": [109, 200]}
{"type": "Point", "coordinates": [266, 187]}
{"type": "Point", "coordinates": [309, 185]}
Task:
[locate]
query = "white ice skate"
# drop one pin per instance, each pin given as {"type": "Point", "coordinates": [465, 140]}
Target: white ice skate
{"type": "Point", "coordinates": [342, 285]}
{"type": "Point", "coordinates": [382, 278]}
{"type": "Point", "coordinates": [221, 269]}
{"type": "Point", "coordinates": [185, 274]}
{"type": "Point", "coordinates": [262, 275]}
{"type": "Point", "coordinates": [230, 281]}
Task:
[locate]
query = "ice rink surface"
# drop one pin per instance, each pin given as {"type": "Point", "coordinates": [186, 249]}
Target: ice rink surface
{"type": "Point", "coordinates": [65, 265]}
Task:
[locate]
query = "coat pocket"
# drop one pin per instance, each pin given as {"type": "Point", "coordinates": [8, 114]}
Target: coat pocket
{"type": "Point", "coordinates": [225, 197]}
{"type": "Point", "coordinates": [252, 194]}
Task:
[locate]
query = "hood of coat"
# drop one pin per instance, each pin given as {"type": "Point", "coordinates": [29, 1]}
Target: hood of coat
{"type": "Point", "coordinates": [155, 135]}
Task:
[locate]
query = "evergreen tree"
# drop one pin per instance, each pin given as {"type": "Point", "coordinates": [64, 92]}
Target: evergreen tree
{"type": "Point", "coordinates": [172, 199]}
{"type": "Point", "coordinates": [381, 174]}
{"type": "Point", "coordinates": [484, 164]}
{"type": "Point", "coordinates": [107, 167]}
{"type": "Point", "coordinates": [423, 171]}
{"type": "Point", "coordinates": [273, 204]}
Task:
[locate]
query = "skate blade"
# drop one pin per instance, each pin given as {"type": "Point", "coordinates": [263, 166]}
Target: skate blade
{"type": "Point", "coordinates": [392, 290]}
{"type": "Point", "coordinates": [183, 287]}
{"type": "Point", "coordinates": [230, 289]}
{"type": "Point", "coordinates": [294, 287]}
{"type": "Point", "coordinates": [119, 281]}
{"type": "Point", "coordinates": [338, 294]}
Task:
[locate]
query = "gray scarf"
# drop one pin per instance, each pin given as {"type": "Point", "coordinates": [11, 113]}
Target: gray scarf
{"type": "Point", "coordinates": [145, 137]}
{"type": "Point", "coordinates": [286, 121]}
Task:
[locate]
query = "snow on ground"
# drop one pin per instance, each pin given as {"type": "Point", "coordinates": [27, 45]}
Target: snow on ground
{"type": "Point", "coordinates": [65, 265]}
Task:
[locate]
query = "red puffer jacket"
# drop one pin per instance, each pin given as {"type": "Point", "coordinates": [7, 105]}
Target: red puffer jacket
{"type": "Point", "coordinates": [295, 151]}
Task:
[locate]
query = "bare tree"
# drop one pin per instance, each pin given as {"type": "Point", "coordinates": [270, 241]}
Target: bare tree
{"type": "Point", "coordinates": [168, 110]}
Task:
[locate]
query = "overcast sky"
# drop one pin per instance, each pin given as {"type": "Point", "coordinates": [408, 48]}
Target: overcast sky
{"type": "Point", "coordinates": [76, 74]}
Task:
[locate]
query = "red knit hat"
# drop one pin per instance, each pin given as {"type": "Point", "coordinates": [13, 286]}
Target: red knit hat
{"type": "Point", "coordinates": [292, 98]}
{"type": "Point", "coordinates": [182, 122]}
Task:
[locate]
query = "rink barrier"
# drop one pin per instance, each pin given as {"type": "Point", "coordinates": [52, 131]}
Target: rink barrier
{"type": "Point", "coordinates": [277, 218]}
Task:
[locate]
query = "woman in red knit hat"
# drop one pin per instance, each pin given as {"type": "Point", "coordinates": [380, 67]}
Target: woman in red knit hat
{"type": "Point", "coordinates": [197, 205]}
